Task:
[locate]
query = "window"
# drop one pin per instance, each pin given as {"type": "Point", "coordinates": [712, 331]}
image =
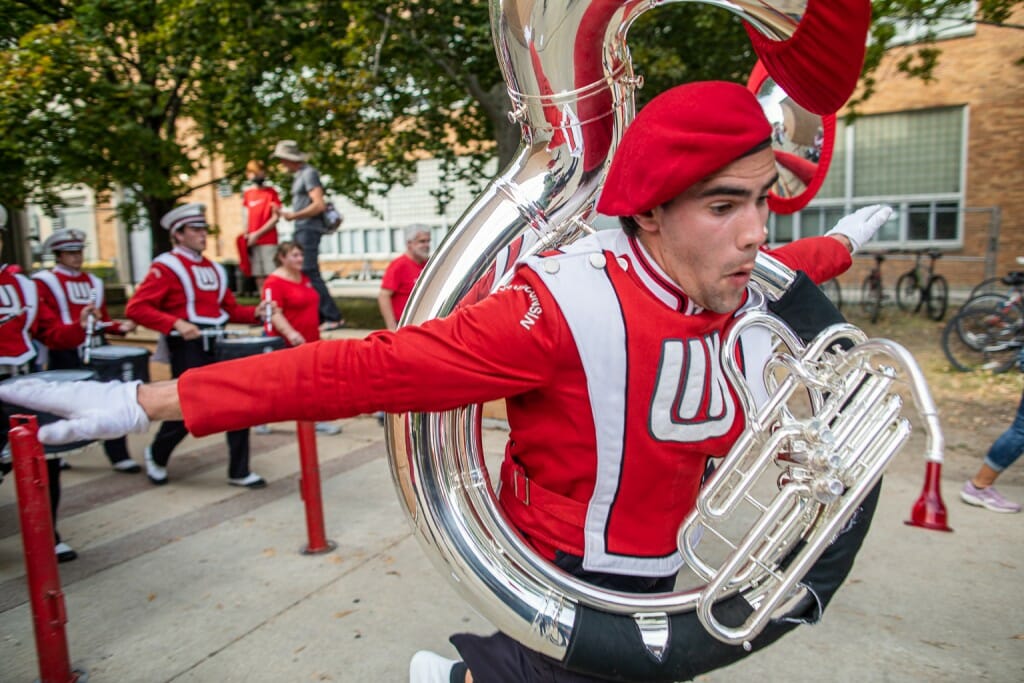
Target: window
{"type": "Point", "coordinates": [912, 160]}
{"type": "Point", "coordinates": [955, 22]}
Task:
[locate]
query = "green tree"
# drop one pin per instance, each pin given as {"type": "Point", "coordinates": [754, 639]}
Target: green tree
{"type": "Point", "coordinates": [120, 93]}
{"type": "Point", "coordinates": [415, 78]}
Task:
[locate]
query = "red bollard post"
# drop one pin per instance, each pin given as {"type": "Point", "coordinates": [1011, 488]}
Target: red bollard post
{"type": "Point", "coordinates": [929, 512]}
{"type": "Point", "coordinates": [47, 599]}
{"type": "Point", "coordinates": [309, 489]}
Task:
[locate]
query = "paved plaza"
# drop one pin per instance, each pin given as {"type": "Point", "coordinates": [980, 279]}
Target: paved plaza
{"type": "Point", "coordinates": [198, 582]}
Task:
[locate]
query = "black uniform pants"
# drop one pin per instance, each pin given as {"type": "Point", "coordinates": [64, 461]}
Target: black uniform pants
{"type": "Point", "coordinates": [186, 355]}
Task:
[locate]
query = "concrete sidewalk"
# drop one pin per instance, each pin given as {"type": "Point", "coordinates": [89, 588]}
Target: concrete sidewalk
{"type": "Point", "coordinates": [198, 581]}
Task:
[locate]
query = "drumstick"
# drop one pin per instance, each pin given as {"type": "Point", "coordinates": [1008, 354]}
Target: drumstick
{"type": "Point", "coordinates": [90, 328]}
{"type": "Point", "coordinates": [268, 326]}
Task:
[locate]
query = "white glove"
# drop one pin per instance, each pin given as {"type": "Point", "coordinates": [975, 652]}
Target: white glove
{"type": "Point", "coordinates": [94, 410]}
{"type": "Point", "coordinates": [861, 225]}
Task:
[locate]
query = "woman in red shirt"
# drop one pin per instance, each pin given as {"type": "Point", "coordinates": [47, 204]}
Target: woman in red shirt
{"type": "Point", "coordinates": [298, 319]}
{"type": "Point", "coordinates": [288, 287]}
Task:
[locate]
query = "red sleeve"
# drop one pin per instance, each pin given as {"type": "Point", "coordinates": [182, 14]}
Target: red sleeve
{"type": "Point", "coordinates": [501, 347]}
{"type": "Point", "coordinates": [275, 199]}
{"type": "Point", "coordinates": [236, 312]}
{"type": "Point", "coordinates": [822, 258]}
{"type": "Point", "coordinates": [146, 305]}
{"type": "Point", "coordinates": [54, 334]}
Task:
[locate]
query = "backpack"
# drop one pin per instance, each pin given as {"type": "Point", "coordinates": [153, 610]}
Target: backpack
{"type": "Point", "coordinates": [332, 218]}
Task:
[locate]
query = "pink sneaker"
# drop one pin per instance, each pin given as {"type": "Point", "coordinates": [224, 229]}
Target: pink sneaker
{"type": "Point", "coordinates": [988, 498]}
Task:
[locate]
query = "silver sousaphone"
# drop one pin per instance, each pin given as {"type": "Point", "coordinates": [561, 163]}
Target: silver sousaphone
{"type": "Point", "coordinates": [571, 82]}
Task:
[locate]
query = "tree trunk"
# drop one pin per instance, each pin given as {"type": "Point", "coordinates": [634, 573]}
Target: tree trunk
{"type": "Point", "coordinates": [156, 208]}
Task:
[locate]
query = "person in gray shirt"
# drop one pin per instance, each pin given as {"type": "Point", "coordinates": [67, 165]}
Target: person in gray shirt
{"type": "Point", "coordinates": [308, 206]}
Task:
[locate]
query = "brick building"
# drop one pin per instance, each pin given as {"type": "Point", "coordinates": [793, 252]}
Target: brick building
{"type": "Point", "coordinates": [948, 153]}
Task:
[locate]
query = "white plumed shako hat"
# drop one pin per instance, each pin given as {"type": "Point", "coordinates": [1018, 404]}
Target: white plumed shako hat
{"type": "Point", "coordinates": [65, 239]}
{"type": "Point", "coordinates": [186, 214]}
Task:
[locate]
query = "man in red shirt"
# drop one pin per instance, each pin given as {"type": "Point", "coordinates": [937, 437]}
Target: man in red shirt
{"type": "Point", "coordinates": [402, 273]}
{"type": "Point", "coordinates": [183, 295]}
{"type": "Point", "coordinates": [67, 290]}
{"type": "Point", "coordinates": [262, 207]}
{"type": "Point", "coordinates": [605, 352]}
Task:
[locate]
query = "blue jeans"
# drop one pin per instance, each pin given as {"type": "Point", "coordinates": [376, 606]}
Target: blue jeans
{"type": "Point", "coordinates": [309, 240]}
{"type": "Point", "coordinates": [1008, 447]}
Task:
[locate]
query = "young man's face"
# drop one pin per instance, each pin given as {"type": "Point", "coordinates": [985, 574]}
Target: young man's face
{"type": "Point", "coordinates": [192, 237]}
{"type": "Point", "coordinates": [707, 237]}
{"type": "Point", "coordinates": [419, 247]}
{"type": "Point", "coordinates": [70, 259]}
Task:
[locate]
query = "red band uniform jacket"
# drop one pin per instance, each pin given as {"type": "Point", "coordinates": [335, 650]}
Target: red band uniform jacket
{"type": "Point", "coordinates": [608, 436]}
{"type": "Point", "coordinates": [23, 316]}
{"type": "Point", "coordinates": [184, 285]}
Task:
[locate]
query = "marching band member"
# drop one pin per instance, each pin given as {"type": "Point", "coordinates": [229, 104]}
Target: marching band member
{"type": "Point", "coordinates": [67, 290]}
{"type": "Point", "coordinates": [183, 294]}
{"type": "Point", "coordinates": [24, 317]}
{"type": "Point", "coordinates": [606, 354]}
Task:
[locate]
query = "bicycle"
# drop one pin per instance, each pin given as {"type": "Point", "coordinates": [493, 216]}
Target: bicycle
{"type": "Point", "coordinates": [995, 285]}
{"type": "Point", "coordinates": [988, 331]}
{"type": "Point", "coordinates": [919, 286]}
{"type": "Point", "coordinates": [833, 292]}
{"type": "Point", "coordinates": [871, 294]}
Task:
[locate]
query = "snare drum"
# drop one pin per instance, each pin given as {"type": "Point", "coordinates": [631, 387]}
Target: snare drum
{"type": "Point", "coordinates": [46, 418]}
{"type": "Point", "coordinates": [239, 347]}
{"type": "Point", "coordinates": [124, 363]}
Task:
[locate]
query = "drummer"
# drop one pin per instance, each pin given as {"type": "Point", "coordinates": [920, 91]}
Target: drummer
{"type": "Point", "coordinates": [183, 295]}
{"type": "Point", "coordinates": [23, 316]}
{"type": "Point", "coordinates": [66, 289]}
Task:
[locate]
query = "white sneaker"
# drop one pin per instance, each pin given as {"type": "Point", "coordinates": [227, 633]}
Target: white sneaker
{"type": "Point", "coordinates": [64, 552]}
{"type": "Point", "coordinates": [128, 466]}
{"type": "Point", "coordinates": [261, 429]}
{"type": "Point", "coordinates": [430, 667]}
{"type": "Point", "coordinates": [156, 474]}
{"type": "Point", "coordinates": [250, 481]}
{"type": "Point", "coordinates": [327, 428]}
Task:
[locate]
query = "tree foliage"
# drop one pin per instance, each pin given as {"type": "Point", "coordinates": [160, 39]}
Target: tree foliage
{"type": "Point", "coordinates": [121, 93]}
{"type": "Point", "coordinates": [131, 95]}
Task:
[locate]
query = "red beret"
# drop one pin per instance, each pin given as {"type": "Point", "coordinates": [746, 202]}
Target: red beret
{"type": "Point", "coordinates": [681, 137]}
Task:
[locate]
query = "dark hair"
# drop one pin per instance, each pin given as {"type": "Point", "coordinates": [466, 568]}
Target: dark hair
{"type": "Point", "coordinates": [282, 250]}
{"type": "Point", "coordinates": [629, 225]}
{"type": "Point", "coordinates": [632, 228]}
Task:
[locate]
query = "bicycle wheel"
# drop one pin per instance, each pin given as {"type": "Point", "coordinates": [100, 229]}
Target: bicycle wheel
{"type": "Point", "coordinates": [936, 297]}
{"type": "Point", "coordinates": [832, 291]}
{"type": "Point", "coordinates": [871, 297]}
{"type": "Point", "coordinates": [993, 285]}
{"type": "Point", "coordinates": [985, 334]}
{"type": "Point", "coordinates": [908, 296]}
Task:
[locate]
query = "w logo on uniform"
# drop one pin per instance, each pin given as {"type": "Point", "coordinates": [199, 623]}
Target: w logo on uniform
{"type": "Point", "coordinates": [206, 278]}
{"type": "Point", "coordinates": [10, 302]}
{"type": "Point", "coordinates": [79, 293]}
{"type": "Point", "coordinates": [691, 399]}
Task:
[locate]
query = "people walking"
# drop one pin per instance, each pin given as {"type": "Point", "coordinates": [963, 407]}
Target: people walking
{"type": "Point", "coordinates": [308, 206]}
{"type": "Point", "coordinates": [183, 295]}
{"type": "Point", "coordinates": [67, 290]}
